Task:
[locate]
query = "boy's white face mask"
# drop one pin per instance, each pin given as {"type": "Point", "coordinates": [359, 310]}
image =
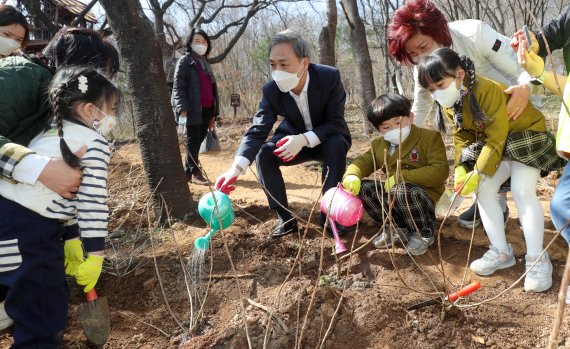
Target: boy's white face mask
{"type": "Point", "coordinates": [393, 136]}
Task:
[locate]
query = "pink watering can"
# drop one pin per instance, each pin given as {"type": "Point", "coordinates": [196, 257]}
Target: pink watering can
{"type": "Point", "coordinates": [341, 207]}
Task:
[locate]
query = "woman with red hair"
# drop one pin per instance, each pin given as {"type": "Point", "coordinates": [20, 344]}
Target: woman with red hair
{"type": "Point", "coordinates": [418, 28]}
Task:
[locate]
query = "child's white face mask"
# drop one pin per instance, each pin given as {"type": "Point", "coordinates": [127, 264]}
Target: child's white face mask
{"type": "Point", "coordinates": [448, 96]}
{"type": "Point", "coordinates": [393, 136]}
{"type": "Point", "coordinates": [104, 125]}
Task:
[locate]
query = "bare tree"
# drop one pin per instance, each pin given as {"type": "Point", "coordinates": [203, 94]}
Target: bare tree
{"type": "Point", "coordinates": [34, 7]}
{"type": "Point", "coordinates": [360, 53]}
{"type": "Point", "coordinates": [327, 36]}
{"type": "Point", "coordinates": [155, 123]}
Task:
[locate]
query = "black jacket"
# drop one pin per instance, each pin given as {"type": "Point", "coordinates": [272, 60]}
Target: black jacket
{"type": "Point", "coordinates": [186, 91]}
{"type": "Point", "coordinates": [326, 97]}
{"type": "Point", "coordinates": [557, 33]}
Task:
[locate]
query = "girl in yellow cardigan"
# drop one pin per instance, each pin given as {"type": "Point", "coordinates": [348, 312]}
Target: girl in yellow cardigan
{"type": "Point", "coordinates": [488, 149]}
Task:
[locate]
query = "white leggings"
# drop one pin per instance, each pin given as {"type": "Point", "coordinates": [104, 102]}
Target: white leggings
{"type": "Point", "coordinates": [531, 215]}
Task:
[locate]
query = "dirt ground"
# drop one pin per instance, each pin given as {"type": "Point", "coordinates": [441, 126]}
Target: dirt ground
{"type": "Point", "coordinates": [148, 296]}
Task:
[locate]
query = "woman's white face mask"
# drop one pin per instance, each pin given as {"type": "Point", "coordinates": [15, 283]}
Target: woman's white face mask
{"type": "Point", "coordinates": [199, 49]}
{"type": "Point", "coordinates": [8, 46]}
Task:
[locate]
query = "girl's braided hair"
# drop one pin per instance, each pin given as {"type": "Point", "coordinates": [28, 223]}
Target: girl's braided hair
{"type": "Point", "coordinates": [441, 64]}
{"type": "Point", "coordinates": [70, 87]}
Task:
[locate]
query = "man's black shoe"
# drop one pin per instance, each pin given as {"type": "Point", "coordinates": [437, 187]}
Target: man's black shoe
{"type": "Point", "coordinates": [283, 228]}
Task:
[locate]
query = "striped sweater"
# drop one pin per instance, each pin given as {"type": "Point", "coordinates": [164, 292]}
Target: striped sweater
{"type": "Point", "coordinates": [89, 208]}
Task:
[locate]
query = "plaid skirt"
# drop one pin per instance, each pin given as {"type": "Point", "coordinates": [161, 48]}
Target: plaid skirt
{"type": "Point", "coordinates": [532, 148]}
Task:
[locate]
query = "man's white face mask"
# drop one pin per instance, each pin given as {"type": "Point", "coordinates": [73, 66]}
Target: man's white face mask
{"type": "Point", "coordinates": [286, 81]}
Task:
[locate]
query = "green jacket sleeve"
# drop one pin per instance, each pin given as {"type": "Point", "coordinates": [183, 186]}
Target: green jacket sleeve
{"type": "Point", "coordinates": [437, 169]}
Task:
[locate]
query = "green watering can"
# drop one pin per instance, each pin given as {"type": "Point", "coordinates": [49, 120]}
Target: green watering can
{"type": "Point", "coordinates": [208, 212]}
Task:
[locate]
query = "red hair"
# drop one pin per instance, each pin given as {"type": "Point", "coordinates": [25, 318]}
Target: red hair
{"type": "Point", "coordinates": [416, 17]}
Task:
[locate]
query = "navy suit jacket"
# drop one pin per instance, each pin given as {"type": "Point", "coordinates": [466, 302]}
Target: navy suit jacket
{"type": "Point", "coordinates": [326, 97]}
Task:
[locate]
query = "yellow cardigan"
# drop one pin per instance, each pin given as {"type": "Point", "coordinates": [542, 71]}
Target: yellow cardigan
{"type": "Point", "coordinates": [493, 102]}
{"type": "Point", "coordinates": [423, 161]}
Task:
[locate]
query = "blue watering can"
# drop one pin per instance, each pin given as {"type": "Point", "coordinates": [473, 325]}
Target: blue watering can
{"type": "Point", "coordinates": [208, 212]}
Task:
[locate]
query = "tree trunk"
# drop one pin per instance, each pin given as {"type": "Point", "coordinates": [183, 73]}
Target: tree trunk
{"type": "Point", "coordinates": [361, 54]}
{"type": "Point", "coordinates": [327, 37]}
{"type": "Point", "coordinates": [155, 122]}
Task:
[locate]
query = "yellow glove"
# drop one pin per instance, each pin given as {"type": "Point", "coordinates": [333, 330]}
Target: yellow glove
{"type": "Point", "coordinates": [471, 183]}
{"type": "Point", "coordinates": [73, 251]}
{"type": "Point", "coordinates": [531, 62]}
{"type": "Point", "coordinates": [352, 184]}
{"type": "Point", "coordinates": [459, 177]}
{"type": "Point", "coordinates": [389, 183]}
{"type": "Point", "coordinates": [88, 272]}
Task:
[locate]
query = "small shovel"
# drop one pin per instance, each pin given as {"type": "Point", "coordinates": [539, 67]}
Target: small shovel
{"type": "Point", "coordinates": [449, 201]}
{"type": "Point", "coordinates": [94, 318]}
{"type": "Point", "coordinates": [465, 291]}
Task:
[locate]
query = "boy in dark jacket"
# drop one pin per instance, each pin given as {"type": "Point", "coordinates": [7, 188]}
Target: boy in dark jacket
{"type": "Point", "coordinates": [414, 162]}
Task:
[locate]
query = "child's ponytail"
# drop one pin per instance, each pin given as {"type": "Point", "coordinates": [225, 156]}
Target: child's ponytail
{"type": "Point", "coordinates": [58, 96]}
{"type": "Point", "coordinates": [479, 117]}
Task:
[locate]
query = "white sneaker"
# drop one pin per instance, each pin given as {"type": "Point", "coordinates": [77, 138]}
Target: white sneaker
{"type": "Point", "coordinates": [5, 320]}
{"type": "Point", "coordinates": [385, 239]}
{"type": "Point", "coordinates": [539, 278]}
{"type": "Point", "coordinates": [492, 260]}
{"type": "Point", "coordinates": [418, 245]}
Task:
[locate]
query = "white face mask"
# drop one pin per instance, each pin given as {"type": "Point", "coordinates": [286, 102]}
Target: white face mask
{"type": "Point", "coordinates": [393, 136]}
{"type": "Point", "coordinates": [199, 49]}
{"type": "Point", "coordinates": [106, 124]}
{"type": "Point", "coordinates": [286, 81]}
{"type": "Point", "coordinates": [8, 46]}
{"type": "Point", "coordinates": [447, 97]}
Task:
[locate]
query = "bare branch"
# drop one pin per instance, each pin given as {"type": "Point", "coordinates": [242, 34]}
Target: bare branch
{"type": "Point", "coordinates": [86, 10]}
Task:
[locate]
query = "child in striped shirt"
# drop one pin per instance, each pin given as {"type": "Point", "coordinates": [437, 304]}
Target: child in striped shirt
{"type": "Point", "coordinates": [34, 219]}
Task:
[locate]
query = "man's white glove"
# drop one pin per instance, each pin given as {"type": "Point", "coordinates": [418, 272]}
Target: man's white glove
{"type": "Point", "coordinates": [225, 179]}
{"type": "Point", "coordinates": [288, 147]}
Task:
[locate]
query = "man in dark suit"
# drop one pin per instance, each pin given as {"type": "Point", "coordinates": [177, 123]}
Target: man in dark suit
{"type": "Point", "coordinates": [311, 98]}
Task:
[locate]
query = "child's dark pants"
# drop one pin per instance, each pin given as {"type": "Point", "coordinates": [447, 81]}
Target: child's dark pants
{"type": "Point", "coordinates": [32, 276]}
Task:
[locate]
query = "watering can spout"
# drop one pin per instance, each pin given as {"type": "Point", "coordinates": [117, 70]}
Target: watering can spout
{"type": "Point", "coordinates": [339, 246]}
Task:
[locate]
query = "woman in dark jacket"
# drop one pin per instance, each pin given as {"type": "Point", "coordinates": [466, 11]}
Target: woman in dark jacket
{"type": "Point", "coordinates": [195, 97]}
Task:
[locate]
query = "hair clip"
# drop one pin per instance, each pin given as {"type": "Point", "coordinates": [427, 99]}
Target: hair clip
{"type": "Point", "coordinates": [82, 84]}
